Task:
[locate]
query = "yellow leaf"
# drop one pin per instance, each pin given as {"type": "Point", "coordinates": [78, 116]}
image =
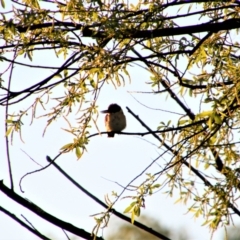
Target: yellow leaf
{"type": "Point", "coordinates": [78, 152]}
{"type": "Point", "coordinates": [182, 122]}
{"type": "Point", "coordinates": [132, 217]}
{"type": "Point", "coordinates": [206, 166]}
{"type": "Point", "coordinates": [137, 211]}
{"type": "Point", "coordinates": [217, 118]}
{"type": "Point", "coordinates": [204, 114]}
{"type": "Point", "coordinates": [129, 208]}
{"type": "Point", "coordinates": [3, 3]}
{"type": "Point", "coordinates": [66, 146]}
{"type": "Point", "coordinates": [9, 131]}
{"type": "Point", "coordinates": [178, 200]}
{"type": "Point", "coordinates": [210, 123]}
{"type": "Point", "coordinates": [58, 75]}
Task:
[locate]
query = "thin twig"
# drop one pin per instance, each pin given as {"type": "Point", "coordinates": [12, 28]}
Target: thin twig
{"type": "Point", "coordinates": [32, 158]}
{"type": "Point", "coordinates": [6, 123]}
{"type": "Point", "coordinates": [111, 210]}
{"type": "Point", "coordinates": [194, 170]}
{"type": "Point", "coordinates": [38, 170]}
{"type": "Point", "coordinates": [66, 234]}
{"type": "Point", "coordinates": [157, 109]}
{"type": "Point", "coordinates": [37, 233]}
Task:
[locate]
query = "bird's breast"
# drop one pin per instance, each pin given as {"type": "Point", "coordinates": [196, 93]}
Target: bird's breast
{"type": "Point", "coordinates": [115, 121]}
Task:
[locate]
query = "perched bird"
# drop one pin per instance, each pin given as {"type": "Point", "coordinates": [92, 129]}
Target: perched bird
{"type": "Point", "coordinates": [115, 120]}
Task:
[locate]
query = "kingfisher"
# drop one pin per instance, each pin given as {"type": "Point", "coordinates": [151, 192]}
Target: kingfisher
{"type": "Point", "coordinates": [115, 120]}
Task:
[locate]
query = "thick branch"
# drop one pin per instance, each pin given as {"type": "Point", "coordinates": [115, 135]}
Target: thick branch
{"type": "Point", "coordinates": [113, 211]}
{"type": "Point", "coordinates": [88, 32]}
{"type": "Point", "coordinates": [148, 34]}
{"type": "Point", "coordinates": [48, 217]}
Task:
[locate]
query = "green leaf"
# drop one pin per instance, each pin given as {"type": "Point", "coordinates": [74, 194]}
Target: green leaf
{"type": "Point", "coordinates": [69, 145]}
{"type": "Point", "coordinates": [132, 217]}
{"type": "Point", "coordinates": [3, 3]}
{"type": "Point", "coordinates": [210, 123]}
{"type": "Point", "coordinates": [78, 152]}
{"type": "Point", "coordinates": [148, 43]}
{"type": "Point", "coordinates": [29, 55]}
{"type": "Point", "coordinates": [207, 100]}
{"type": "Point", "coordinates": [65, 72]}
{"type": "Point", "coordinates": [129, 208]}
{"type": "Point", "coordinates": [190, 92]}
{"type": "Point", "coordinates": [9, 131]}
{"type": "Point", "coordinates": [93, 83]}
{"type": "Point", "coordinates": [182, 122]}
{"type": "Point", "coordinates": [58, 75]}
{"type": "Point", "coordinates": [217, 118]}
{"type": "Point", "coordinates": [156, 186]}
{"type": "Point", "coordinates": [204, 114]}
{"type": "Point", "coordinates": [137, 211]}
{"type": "Point", "coordinates": [206, 165]}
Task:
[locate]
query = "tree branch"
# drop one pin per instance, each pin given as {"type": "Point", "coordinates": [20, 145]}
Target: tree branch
{"type": "Point", "coordinates": [158, 131]}
{"type": "Point", "coordinates": [46, 216]}
{"type": "Point", "coordinates": [113, 211]}
{"type": "Point", "coordinates": [196, 172]}
{"type": "Point", "coordinates": [149, 34]}
{"type": "Point", "coordinates": [34, 231]}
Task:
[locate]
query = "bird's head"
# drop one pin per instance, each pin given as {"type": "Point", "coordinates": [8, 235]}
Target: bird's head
{"type": "Point", "coordinates": [113, 108]}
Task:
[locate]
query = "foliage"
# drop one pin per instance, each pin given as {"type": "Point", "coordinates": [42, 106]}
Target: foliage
{"type": "Point", "coordinates": [131, 232]}
{"type": "Point", "coordinates": [96, 43]}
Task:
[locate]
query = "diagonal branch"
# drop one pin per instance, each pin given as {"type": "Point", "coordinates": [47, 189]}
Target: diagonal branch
{"type": "Point", "coordinates": [113, 211]}
{"type": "Point", "coordinates": [34, 231]}
{"type": "Point", "coordinates": [196, 172]}
{"type": "Point", "coordinates": [45, 215]}
{"type": "Point", "coordinates": [190, 114]}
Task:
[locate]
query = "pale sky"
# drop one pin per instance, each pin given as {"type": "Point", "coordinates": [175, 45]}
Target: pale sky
{"type": "Point", "coordinates": [106, 162]}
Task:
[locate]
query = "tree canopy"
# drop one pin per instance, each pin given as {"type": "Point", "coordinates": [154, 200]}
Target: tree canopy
{"type": "Point", "coordinates": [190, 49]}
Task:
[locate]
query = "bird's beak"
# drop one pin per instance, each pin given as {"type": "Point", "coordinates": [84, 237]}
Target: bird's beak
{"type": "Point", "coordinates": [104, 111]}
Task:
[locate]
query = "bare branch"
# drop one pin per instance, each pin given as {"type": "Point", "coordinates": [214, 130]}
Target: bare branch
{"type": "Point", "coordinates": [46, 216]}
{"type": "Point", "coordinates": [34, 231]}
{"type": "Point", "coordinates": [111, 210]}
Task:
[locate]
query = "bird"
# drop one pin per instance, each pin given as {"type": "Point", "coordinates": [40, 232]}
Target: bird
{"type": "Point", "coordinates": [115, 120]}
